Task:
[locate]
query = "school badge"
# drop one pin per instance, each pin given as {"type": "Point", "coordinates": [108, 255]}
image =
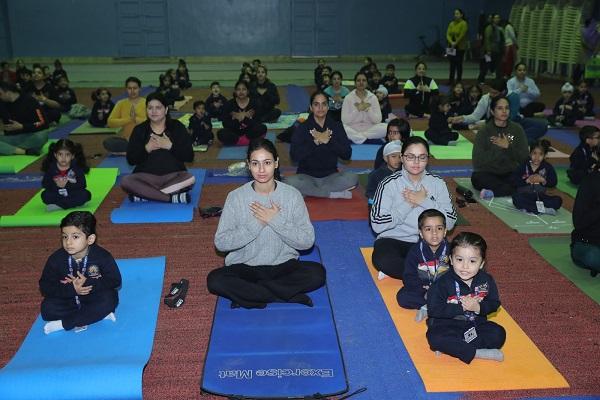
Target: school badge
{"type": "Point", "coordinates": [94, 272]}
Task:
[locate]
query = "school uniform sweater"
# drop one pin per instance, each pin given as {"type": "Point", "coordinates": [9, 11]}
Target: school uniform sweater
{"type": "Point", "coordinates": [100, 113]}
{"type": "Point", "coordinates": [375, 177]}
{"type": "Point", "coordinates": [360, 120]}
{"type": "Point", "coordinates": [120, 116]}
{"type": "Point", "coordinates": [26, 111]}
{"type": "Point", "coordinates": [585, 104]}
{"type": "Point", "coordinates": [569, 116]}
{"type": "Point", "coordinates": [75, 178]}
{"type": "Point", "coordinates": [250, 242]}
{"type": "Point", "coordinates": [215, 106]}
{"type": "Point", "coordinates": [393, 217]}
{"type": "Point", "coordinates": [66, 98]}
{"type": "Point", "coordinates": [581, 162]}
{"type": "Point", "coordinates": [320, 160]}
{"type": "Point", "coordinates": [161, 161]}
{"type": "Point", "coordinates": [390, 83]}
{"type": "Point", "coordinates": [586, 211]}
{"type": "Point", "coordinates": [525, 96]}
{"type": "Point", "coordinates": [201, 129]}
{"type": "Point", "coordinates": [102, 274]}
{"type": "Point", "coordinates": [487, 157]}
{"type": "Point", "coordinates": [422, 266]}
{"type": "Point", "coordinates": [525, 170]}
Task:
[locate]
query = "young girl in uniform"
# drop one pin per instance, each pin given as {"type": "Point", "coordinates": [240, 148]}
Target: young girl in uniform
{"type": "Point", "coordinates": [419, 90]}
{"type": "Point", "coordinates": [64, 176]}
{"type": "Point", "coordinates": [263, 225]}
{"type": "Point", "coordinates": [103, 106]}
{"type": "Point", "coordinates": [459, 302]}
{"type": "Point", "coordinates": [531, 180]}
{"type": "Point", "coordinates": [439, 132]}
{"type": "Point", "coordinates": [80, 280]}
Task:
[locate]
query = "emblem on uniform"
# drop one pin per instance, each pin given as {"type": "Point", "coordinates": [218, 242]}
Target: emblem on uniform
{"type": "Point", "coordinates": [94, 271]}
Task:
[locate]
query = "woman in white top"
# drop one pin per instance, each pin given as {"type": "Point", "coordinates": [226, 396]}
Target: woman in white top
{"type": "Point", "coordinates": [361, 114]}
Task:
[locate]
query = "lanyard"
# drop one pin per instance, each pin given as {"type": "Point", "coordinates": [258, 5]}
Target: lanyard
{"type": "Point", "coordinates": [470, 315]}
{"type": "Point", "coordinates": [85, 260]}
{"type": "Point", "coordinates": [436, 265]}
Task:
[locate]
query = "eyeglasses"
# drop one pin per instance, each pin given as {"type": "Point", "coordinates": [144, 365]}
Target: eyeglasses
{"type": "Point", "coordinates": [412, 157]}
{"type": "Point", "coordinates": [264, 163]}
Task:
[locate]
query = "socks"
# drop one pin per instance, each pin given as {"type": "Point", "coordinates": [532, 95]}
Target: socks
{"type": "Point", "coordinates": [421, 313]}
{"type": "Point", "coordinates": [53, 326]}
{"type": "Point", "coordinates": [180, 198]}
{"type": "Point", "coordinates": [486, 194]}
{"type": "Point", "coordinates": [136, 199]}
{"type": "Point", "coordinates": [381, 276]}
{"type": "Point", "coordinates": [344, 194]}
{"type": "Point", "coordinates": [112, 317]}
{"type": "Point", "coordinates": [53, 207]}
{"type": "Point", "coordinates": [489, 354]}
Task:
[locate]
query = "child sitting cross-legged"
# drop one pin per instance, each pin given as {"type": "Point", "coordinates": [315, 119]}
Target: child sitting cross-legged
{"type": "Point", "coordinates": [392, 155]}
{"type": "Point", "coordinates": [426, 261]}
{"type": "Point", "coordinates": [80, 280]}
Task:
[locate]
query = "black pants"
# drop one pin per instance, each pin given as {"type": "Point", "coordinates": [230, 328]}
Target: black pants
{"type": "Point", "coordinates": [456, 66]}
{"type": "Point", "coordinates": [66, 310]}
{"type": "Point", "coordinates": [441, 138]}
{"type": "Point", "coordinates": [447, 336]}
{"type": "Point", "coordinates": [411, 299]}
{"type": "Point", "coordinates": [389, 255]}
{"type": "Point", "coordinates": [527, 201]}
{"type": "Point", "coordinates": [271, 115]}
{"type": "Point", "coordinates": [417, 110]}
{"type": "Point", "coordinates": [74, 199]}
{"type": "Point", "coordinates": [532, 108]}
{"type": "Point", "coordinates": [255, 286]}
{"type": "Point", "coordinates": [230, 137]}
{"type": "Point", "coordinates": [495, 66]}
{"type": "Point", "coordinates": [500, 184]}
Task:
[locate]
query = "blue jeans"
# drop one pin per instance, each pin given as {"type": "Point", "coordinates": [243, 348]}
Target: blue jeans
{"type": "Point", "coordinates": [586, 255]}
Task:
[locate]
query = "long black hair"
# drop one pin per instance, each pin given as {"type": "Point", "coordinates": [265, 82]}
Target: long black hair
{"type": "Point", "coordinates": [267, 145]}
{"type": "Point", "coordinates": [65, 144]}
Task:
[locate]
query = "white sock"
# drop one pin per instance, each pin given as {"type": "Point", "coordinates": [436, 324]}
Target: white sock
{"type": "Point", "coordinates": [421, 313]}
{"type": "Point", "coordinates": [490, 354]}
{"type": "Point", "coordinates": [53, 326]}
{"type": "Point", "coordinates": [111, 317]}
{"type": "Point", "coordinates": [344, 194]}
{"type": "Point", "coordinates": [381, 276]}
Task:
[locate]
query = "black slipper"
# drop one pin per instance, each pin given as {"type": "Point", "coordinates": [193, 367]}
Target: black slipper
{"type": "Point", "coordinates": [176, 296]}
{"type": "Point", "coordinates": [211, 212]}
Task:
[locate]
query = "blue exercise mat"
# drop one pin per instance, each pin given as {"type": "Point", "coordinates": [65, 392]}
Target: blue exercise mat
{"type": "Point", "coordinates": [62, 131]}
{"type": "Point", "coordinates": [282, 351]}
{"type": "Point", "coordinates": [454, 170]}
{"type": "Point", "coordinates": [233, 153]}
{"type": "Point", "coordinates": [365, 151]}
{"type": "Point", "coordinates": [297, 98]}
{"type": "Point", "coordinates": [565, 136]}
{"type": "Point", "coordinates": [119, 162]}
{"type": "Point", "coordinates": [105, 361]}
{"type": "Point", "coordinates": [21, 181]}
{"type": "Point", "coordinates": [152, 212]}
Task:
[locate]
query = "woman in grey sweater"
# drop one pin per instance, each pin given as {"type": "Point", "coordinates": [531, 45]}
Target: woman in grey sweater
{"type": "Point", "coordinates": [263, 225]}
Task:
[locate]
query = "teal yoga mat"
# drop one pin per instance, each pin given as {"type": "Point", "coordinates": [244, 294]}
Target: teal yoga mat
{"type": "Point", "coordinates": [104, 362]}
{"type": "Point", "coordinates": [99, 181]}
{"type": "Point", "coordinates": [463, 150]}
{"type": "Point", "coordinates": [503, 208]}
{"type": "Point", "coordinates": [564, 184]}
{"type": "Point", "coordinates": [556, 250]}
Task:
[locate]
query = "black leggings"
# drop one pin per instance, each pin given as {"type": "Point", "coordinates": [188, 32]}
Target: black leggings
{"type": "Point", "coordinates": [389, 255]}
{"type": "Point", "coordinates": [255, 286]}
{"type": "Point", "coordinates": [456, 66]}
{"type": "Point", "coordinates": [230, 137]}
{"type": "Point", "coordinates": [500, 184]}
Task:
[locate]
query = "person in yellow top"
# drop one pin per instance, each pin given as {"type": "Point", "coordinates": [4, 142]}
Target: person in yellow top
{"type": "Point", "coordinates": [457, 38]}
{"type": "Point", "coordinates": [126, 114]}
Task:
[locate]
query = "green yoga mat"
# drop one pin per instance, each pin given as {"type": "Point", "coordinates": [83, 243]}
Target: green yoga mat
{"type": "Point", "coordinates": [284, 121]}
{"type": "Point", "coordinates": [87, 129]}
{"type": "Point", "coordinates": [99, 181]}
{"type": "Point", "coordinates": [503, 208]}
{"type": "Point", "coordinates": [556, 251]}
{"type": "Point", "coordinates": [15, 163]}
{"type": "Point", "coordinates": [564, 184]}
{"type": "Point", "coordinates": [463, 150]}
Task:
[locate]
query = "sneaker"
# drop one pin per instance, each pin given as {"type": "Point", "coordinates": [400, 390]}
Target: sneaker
{"type": "Point", "coordinates": [181, 198]}
{"type": "Point", "coordinates": [486, 194]}
{"type": "Point", "coordinates": [136, 199]}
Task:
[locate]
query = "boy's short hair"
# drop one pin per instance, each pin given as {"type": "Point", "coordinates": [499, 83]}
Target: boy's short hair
{"type": "Point", "coordinates": [214, 83]}
{"type": "Point", "coordinates": [390, 66]}
{"type": "Point", "coordinates": [430, 213]}
{"type": "Point", "coordinates": [198, 103]}
{"type": "Point", "coordinates": [587, 132]}
{"type": "Point", "coordinates": [82, 220]}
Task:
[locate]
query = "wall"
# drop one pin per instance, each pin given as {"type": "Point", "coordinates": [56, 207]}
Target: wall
{"type": "Point", "coordinates": [230, 27]}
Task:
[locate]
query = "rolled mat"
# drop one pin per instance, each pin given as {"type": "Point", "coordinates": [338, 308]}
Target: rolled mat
{"type": "Point", "coordinates": [565, 136]}
{"type": "Point", "coordinates": [105, 361]}
{"type": "Point", "coordinates": [87, 129]}
{"type": "Point", "coordinates": [325, 209]}
{"type": "Point", "coordinates": [462, 150]}
{"type": "Point", "coordinates": [282, 351]}
{"type": "Point", "coordinates": [556, 251]}
{"type": "Point", "coordinates": [366, 152]}
{"type": "Point", "coordinates": [152, 212]}
{"type": "Point", "coordinates": [524, 365]}
{"type": "Point", "coordinates": [15, 163]}
{"type": "Point", "coordinates": [564, 184]}
{"type": "Point", "coordinates": [522, 222]}
{"type": "Point", "coordinates": [99, 182]}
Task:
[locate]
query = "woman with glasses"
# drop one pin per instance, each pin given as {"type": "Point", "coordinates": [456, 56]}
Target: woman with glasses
{"type": "Point", "coordinates": [317, 144]}
{"type": "Point", "coordinates": [398, 202]}
{"type": "Point", "coordinates": [263, 225]}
